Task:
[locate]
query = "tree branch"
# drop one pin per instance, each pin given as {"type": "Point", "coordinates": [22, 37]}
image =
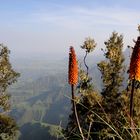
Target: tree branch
{"type": "Point", "coordinates": [85, 62]}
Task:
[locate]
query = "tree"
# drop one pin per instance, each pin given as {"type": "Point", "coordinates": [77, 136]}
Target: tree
{"type": "Point", "coordinates": [112, 70]}
{"type": "Point", "coordinates": [99, 108]}
{"type": "Point", "coordinates": [8, 76]}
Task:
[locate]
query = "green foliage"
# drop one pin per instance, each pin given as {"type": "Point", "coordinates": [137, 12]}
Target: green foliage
{"type": "Point", "coordinates": [84, 82]}
{"type": "Point", "coordinates": [8, 128]}
{"type": "Point", "coordinates": [112, 68]}
{"type": "Point", "coordinates": [8, 76]}
{"type": "Point", "coordinates": [89, 45]}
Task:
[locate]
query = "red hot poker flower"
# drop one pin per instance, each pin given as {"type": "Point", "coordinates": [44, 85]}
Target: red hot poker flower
{"type": "Point", "coordinates": [135, 62]}
{"type": "Point", "coordinates": [73, 67]}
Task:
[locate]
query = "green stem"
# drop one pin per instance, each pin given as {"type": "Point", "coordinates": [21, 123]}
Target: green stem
{"type": "Point", "coordinates": [75, 112]}
{"type": "Point", "coordinates": [85, 61]}
{"type": "Point", "coordinates": [89, 130]}
{"type": "Point", "coordinates": [131, 103]}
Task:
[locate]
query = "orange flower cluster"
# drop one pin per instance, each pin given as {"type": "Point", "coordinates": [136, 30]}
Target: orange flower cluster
{"type": "Point", "coordinates": [73, 67]}
{"type": "Point", "coordinates": [135, 62]}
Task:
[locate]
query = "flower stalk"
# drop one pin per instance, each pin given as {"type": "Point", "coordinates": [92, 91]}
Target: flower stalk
{"type": "Point", "coordinates": [134, 75]}
{"type": "Point", "coordinates": [73, 79]}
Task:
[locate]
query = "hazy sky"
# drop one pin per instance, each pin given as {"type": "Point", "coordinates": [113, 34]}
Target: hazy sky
{"type": "Point", "coordinates": [43, 27]}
